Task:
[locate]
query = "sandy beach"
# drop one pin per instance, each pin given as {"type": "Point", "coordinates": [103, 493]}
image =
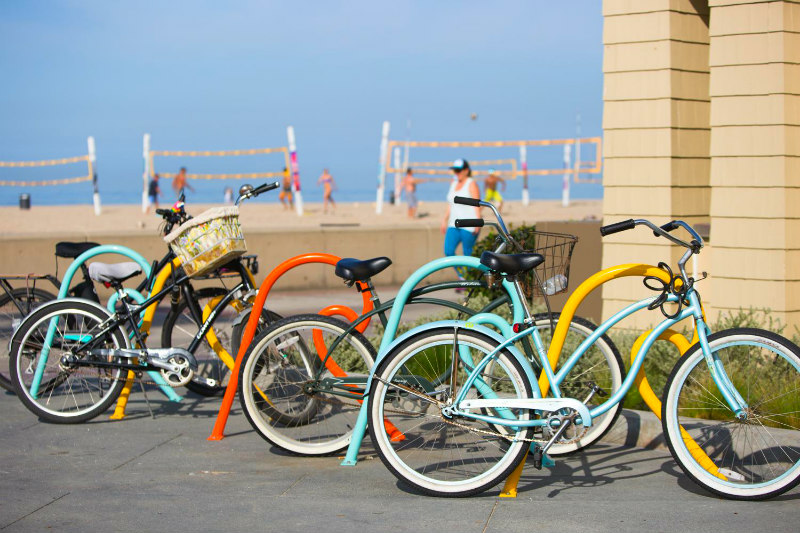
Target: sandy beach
{"type": "Point", "coordinates": [78, 222]}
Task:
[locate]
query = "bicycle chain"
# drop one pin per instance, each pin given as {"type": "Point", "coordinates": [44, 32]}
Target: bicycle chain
{"type": "Point", "coordinates": [463, 426]}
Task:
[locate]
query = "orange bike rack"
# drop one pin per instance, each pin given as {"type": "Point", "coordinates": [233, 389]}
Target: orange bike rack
{"type": "Point", "coordinates": [218, 432]}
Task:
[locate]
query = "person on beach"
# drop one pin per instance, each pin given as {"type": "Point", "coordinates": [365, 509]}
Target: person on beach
{"type": "Point", "coordinates": [286, 190]}
{"type": "Point", "coordinates": [462, 185]}
{"type": "Point", "coordinates": [410, 188]}
{"type": "Point", "coordinates": [153, 192]}
{"type": "Point", "coordinates": [327, 181]}
{"type": "Point", "coordinates": [227, 196]}
{"type": "Point", "coordinates": [492, 194]}
{"type": "Point", "coordinates": [180, 182]}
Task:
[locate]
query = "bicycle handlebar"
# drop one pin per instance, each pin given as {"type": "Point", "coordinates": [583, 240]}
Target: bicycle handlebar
{"type": "Point", "coordinates": [470, 223]}
{"type": "Point", "coordinates": [466, 200]}
{"type": "Point", "coordinates": [252, 193]}
{"type": "Point", "coordinates": [617, 227]}
{"type": "Point", "coordinates": [695, 245]}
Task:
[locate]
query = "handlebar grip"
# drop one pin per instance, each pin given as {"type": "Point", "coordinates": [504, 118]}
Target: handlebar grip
{"type": "Point", "coordinates": [617, 227]}
{"type": "Point", "coordinates": [669, 226]}
{"type": "Point", "coordinates": [466, 200]}
{"type": "Point", "coordinates": [265, 187]}
{"type": "Point", "coordinates": [163, 212]}
{"type": "Point", "coordinates": [469, 223]}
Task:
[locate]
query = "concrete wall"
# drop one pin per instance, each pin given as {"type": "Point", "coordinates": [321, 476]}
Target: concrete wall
{"type": "Point", "coordinates": [409, 248]}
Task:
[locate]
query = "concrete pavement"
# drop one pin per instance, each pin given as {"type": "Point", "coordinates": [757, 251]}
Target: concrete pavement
{"type": "Point", "coordinates": [144, 474]}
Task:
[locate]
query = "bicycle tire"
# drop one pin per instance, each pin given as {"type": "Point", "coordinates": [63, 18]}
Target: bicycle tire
{"type": "Point", "coordinates": [180, 328]}
{"type": "Point", "coordinates": [440, 455]}
{"type": "Point", "coordinates": [281, 362]}
{"type": "Point", "coordinates": [95, 387]}
{"type": "Point", "coordinates": [759, 456]}
{"type": "Point", "coordinates": [11, 317]}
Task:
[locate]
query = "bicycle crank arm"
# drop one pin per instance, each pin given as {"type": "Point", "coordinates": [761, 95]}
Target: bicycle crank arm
{"type": "Point", "coordinates": [208, 382]}
{"type": "Point", "coordinates": [538, 404]}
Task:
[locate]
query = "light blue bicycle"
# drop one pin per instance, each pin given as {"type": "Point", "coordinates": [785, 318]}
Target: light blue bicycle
{"type": "Point", "coordinates": [731, 407]}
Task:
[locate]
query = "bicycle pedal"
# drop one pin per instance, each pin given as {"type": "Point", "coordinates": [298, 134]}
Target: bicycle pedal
{"type": "Point", "coordinates": [538, 456]}
{"type": "Point", "coordinates": [596, 389]}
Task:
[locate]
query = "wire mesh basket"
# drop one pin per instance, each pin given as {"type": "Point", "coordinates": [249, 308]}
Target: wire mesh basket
{"type": "Point", "coordinates": [554, 272]}
{"type": "Point", "coordinates": [208, 241]}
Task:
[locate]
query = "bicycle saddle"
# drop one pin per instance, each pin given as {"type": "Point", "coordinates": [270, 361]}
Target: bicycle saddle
{"type": "Point", "coordinates": [71, 250]}
{"type": "Point", "coordinates": [511, 263]}
{"type": "Point", "coordinates": [351, 269]}
{"type": "Point", "coordinates": [117, 272]}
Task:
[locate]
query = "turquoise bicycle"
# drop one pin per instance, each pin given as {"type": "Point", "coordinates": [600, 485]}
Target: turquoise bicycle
{"type": "Point", "coordinates": [731, 409]}
{"type": "Point", "coordinates": [303, 379]}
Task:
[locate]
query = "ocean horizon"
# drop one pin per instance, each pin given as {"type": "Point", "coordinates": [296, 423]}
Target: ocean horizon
{"type": "Point", "coordinates": [211, 191]}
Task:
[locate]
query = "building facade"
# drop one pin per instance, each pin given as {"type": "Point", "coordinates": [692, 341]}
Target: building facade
{"type": "Point", "coordinates": [702, 123]}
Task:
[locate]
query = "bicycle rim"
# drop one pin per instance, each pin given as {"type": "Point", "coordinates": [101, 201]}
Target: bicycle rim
{"type": "Point", "coordinates": [436, 455]}
{"type": "Point", "coordinates": [291, 398]}
{"type": "Point", "coordinates": [10, 319]}
{"type": "Point", "coordinates": [65, 395]}
{"type": "Point", "coordinates": [754, 458]}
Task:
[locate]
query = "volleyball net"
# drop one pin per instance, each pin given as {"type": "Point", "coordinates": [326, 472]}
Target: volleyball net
{"type": "Point", "coordinates": [573, 169]}
{"type": "Point", "coordinates": [91, 172]}
{"type": "Point", "coordinates": [288, 156]}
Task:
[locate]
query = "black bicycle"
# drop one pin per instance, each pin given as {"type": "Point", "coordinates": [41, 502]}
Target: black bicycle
{"type": "Point", "coordinates": [69, 358]}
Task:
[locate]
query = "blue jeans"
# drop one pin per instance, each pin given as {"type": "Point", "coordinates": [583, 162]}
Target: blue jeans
{"type": "Point", "coordinates": [453, 237]}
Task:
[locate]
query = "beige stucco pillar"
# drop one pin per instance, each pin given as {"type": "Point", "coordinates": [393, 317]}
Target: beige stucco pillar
{"type": "Point", "coordinates": [755, 149]}
{"type": "Point", "coordinates": [656, 129]}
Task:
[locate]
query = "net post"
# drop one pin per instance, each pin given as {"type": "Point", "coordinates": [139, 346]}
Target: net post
{"type": "Point", "coordinates": [382, 161]}
{"type": "Point", "coordinates": [396, 199]}
{"type": "Point", "coordinates": [565, 182]}
{"type": "Point", "coordinates": [147, 169]}
{"type": "Point", "coordinates": [93, 173]}
{"type": "Point", "coordinates": [523, 162]}
{"type": "Point", "coordinates": [295, 169]}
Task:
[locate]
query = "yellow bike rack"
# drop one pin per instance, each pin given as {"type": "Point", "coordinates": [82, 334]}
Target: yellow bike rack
{"type": "Point", "coordinates": [649, 397]}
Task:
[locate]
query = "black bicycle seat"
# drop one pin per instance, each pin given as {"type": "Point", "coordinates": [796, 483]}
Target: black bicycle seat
{"type": "Point", "coordinates": [71, 250]}
{"type": "Point", "coordinates": [117, 272]}
{"type": "Point", "coordinates": [351, 269]}
{"type": "Point", "coordinates": [511, 263]}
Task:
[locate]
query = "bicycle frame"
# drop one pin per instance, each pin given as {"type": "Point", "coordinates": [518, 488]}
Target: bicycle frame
{"type": "Point", "coordinates": [142, 307]}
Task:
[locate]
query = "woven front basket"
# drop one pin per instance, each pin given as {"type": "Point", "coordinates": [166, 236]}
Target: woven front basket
{"type": "Point", "coordinates": [557, 251]}
{"type": "Point", "coordinates": [208, 241]}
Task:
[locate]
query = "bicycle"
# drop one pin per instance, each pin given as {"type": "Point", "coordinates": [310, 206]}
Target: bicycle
{"type": "Point", "coordinates": [17, 302]}
{"type": "Point", "coordinates": [729, 413]}
{"type": "Point", "coordinates": [302, 381]}
{"type": "Point", "coordinates": [94, 346]}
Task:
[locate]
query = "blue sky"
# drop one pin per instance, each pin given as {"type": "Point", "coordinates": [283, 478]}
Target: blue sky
{"type": "Point", "coordinates": [217, 75]}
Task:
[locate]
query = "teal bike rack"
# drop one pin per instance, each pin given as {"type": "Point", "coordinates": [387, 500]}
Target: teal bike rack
{"type": "Point", "coordinates": [62, 293]}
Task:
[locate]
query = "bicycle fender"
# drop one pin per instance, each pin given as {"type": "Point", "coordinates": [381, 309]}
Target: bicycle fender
{"type": "Point", "coordinates": [461, 324]}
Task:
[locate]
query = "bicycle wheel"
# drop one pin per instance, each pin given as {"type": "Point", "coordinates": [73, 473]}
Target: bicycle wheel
{"type": "Point", "coordinates": [601, 364]}
{"type": "Point", "coordinates": [13, 308]}
{"type": "Point", "coordinates": [750, 459]}
{"type": "Point", "coordinates": [180, 328]}
{"type": "Point", "coordinates": [440, 455]}
{"type": "Point", "coordinates": [66, 395]}
{"type": "Point", "coordinates": [291, 398]}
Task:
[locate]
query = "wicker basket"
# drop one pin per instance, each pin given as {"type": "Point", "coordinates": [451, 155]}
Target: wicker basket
{"type": "Point", "coordinates": [554, 272]}
{"type": "Point", "coordinates": [208, 241]}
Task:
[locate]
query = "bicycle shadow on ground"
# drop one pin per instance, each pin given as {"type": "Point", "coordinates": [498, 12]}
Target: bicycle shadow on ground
{"type": "Point", "coordinates": [602, 465]}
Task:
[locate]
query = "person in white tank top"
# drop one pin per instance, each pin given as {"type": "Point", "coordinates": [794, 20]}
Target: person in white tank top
{"type": "Point", "coordinates": [463, 185]}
